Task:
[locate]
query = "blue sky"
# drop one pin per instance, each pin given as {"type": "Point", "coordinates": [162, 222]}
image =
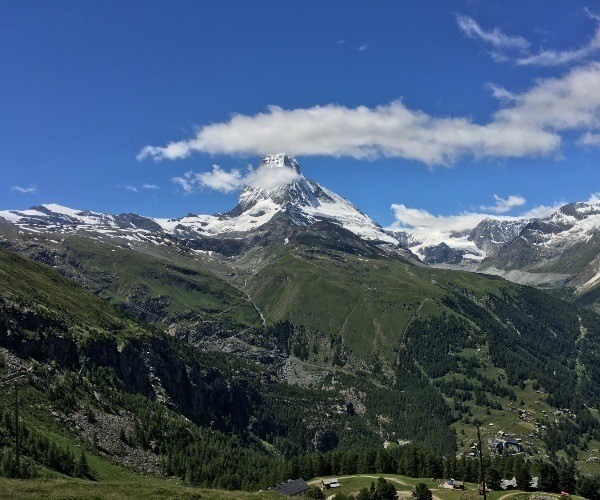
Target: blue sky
{"type": "Point", "coordinates": [86, 86]}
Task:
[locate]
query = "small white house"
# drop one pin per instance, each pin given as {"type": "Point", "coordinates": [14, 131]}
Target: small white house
{"type": "Point", "coordinates": [330, 483]}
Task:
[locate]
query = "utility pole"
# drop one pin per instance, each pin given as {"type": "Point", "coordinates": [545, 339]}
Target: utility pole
{"type": "Point", "coordinates": [14, 378]}
{"type": "Point", "coordinates": [17, 447]}
{"type": "Point", "coordinates": [482, 473]}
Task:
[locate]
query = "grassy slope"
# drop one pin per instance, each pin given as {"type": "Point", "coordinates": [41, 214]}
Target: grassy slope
{"type": "Point", "coordinates": [11, 489]}
{"type": "Point", "coordinates": [405, 485]}
{"type": "Point", "coordinates": [35, 285]}
{"type": "Point", "coordinates": [161, 272]}
{"type": "Point", "coordinates": [38, 288]}
{"type": "Point", "coordinates": [369, 302]}
{"type": "Point", "coordinates": [41, 289]}
{"type": "Point", "coordinates": [505, 419]}
{"type": "Point", "coordinates": [82, 314]}
{"type": "Point", "coordinates": [327, 292]}
{"type": "Point", "coordinates": [159, 489]}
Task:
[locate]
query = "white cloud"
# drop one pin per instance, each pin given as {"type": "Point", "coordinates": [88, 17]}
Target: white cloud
{"type": "Point", "coordinates": [504, 205]}
{"type": "Point", "coordinates": [571, 102]}
{"type": "Point", "coordinates": [234, 180]}
{"type": "Point", "coordinates": [501, 93]}
{"type": "Point", "coordinates": [188, 182]}
{"type": "Point", "coordinates": [530, 125]}
{"type": "Point", "coordinates": [271, 178]}
{"type": "Point", "coordinates": [128, 187]}
{"type": "Point", "coordinates": [589, 139]}
{"type": "Point", "coordinates": [419, 221]}
{"type": "Point", "coordinates": [495, 37]}
{"type": "Point", "coordinates": [518, 49]}
{"type": "Point", "coordinates": [362, 48]}
{"type": "Point", "coordinates": [24, 190]}
{"type": "Point", "coordinates": [559, 57]}
{"type": "Point", "coordinates": [173, 151]}
{"type": "Point", "coordinates": [416, 218]}
{"type": "Point", "coordinates": [541, 211]}
{"type": "Point", "coordinates": [218, 179]}
{"type": "Point", "coordinates": [498, 56]}
{"type": "Point", "coordinates": [149, 186]}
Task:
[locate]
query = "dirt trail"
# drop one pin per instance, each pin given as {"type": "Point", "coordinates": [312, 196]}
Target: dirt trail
{"type": "Point", "coordinates": [392, 479]}
{"type": "Point", "coordinates": [510, 495]}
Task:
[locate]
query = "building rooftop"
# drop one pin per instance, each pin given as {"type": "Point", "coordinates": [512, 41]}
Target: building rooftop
{"type": "Point", "coordinates": [292, 487]}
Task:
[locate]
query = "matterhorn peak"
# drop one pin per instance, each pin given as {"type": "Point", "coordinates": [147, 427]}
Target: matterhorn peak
{"type": "Point", "coordinates": [276, 195]}
{"type": "Point", "coordinates": [279, 160]}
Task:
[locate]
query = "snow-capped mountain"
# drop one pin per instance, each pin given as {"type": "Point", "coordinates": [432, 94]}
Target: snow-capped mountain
{"type": "Point", "coordinates": [302, 201]}
{"type": "Point", "coordinates": [465, 248]}
{"type": "Point", "coordinates": [490, 235]}
{"type": "Point", "coordinates": [563, 248]}
{"type": "Point", "coordinates": [280, 205]}
{"type": "Point", "coordinates": [273, 204]}
{"type": "Point", "coordinates": [54, 218]}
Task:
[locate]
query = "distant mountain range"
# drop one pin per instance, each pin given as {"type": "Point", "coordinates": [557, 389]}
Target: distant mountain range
{"type": "Point", "coordinates": [561, 250]}
{"type": "Point", "coordinates": [280, 213]}
{"type": "Point", "coordinates": [297, 287]}
{"type": "Point", "coordinates": [466, 248]}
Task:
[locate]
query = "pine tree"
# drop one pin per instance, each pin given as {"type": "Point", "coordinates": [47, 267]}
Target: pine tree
{"type": "Point", "coordinates": [567, 480]}
{"type": "Point", "coordinates": [422, 492]}
{"type": "Point", "coordinates": [523, 479]}
{"type": "Point", "coordinates": [82, 468]}
{"type": "Point", "coordinates": [589, 487]}
{"type": "Point", "coordinates": [315, 493]}
{"type": "Point", "coordinates": [548, 479]}
{"type": "Point", "coordinates": [385, 490]}
{"type": "Point", "coordinates": [493, 478]}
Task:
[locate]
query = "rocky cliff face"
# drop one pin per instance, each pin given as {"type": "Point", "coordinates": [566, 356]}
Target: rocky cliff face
{"type": "Point", "coordinates": [490, 235]}
{"type": "Point", "coordinates": [148, 365]}
{"type": "Point", "coordinates": [562, 249]}
{"type": "Point", "coordinates": [463, 248]}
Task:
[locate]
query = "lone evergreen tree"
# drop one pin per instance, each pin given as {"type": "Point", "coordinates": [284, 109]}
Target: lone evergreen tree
{"type": "Point", "coordinates": [422, 492]}
{"type": "Point", "coordinates": [493, 478]}
{"type": "Point", "coordinates": [523, 479]}
{"type": "Point", "coordinates": [82, 468]}
{"type": "Point", "coordinates": [549, 479]}
{"type": "Point", "coordinates": [385, 490]}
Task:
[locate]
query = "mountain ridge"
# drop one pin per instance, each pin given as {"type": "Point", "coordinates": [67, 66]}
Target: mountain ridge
{"type": "Point", "coordinates": [301, 200]}
{"type": "Point", "coordinates": [279, 205]}
{"type": "Point", "coordinates": [308, 308]}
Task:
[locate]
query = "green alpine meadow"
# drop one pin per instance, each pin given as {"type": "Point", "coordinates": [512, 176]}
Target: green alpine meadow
{"type": "Point", "coordinates": [329, 250]}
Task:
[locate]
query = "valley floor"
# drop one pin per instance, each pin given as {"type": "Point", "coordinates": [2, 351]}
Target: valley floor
{"type": "Point", "coordinates": [154, 489]}
{"type": "Point", "coordinates": [405, 486]}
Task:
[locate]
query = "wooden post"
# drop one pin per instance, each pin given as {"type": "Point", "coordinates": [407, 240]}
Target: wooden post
{"type": "Point", "coordinates": [482, 473]}
{"type": "Point", "coordinates": [14, 378]}
{"type": "Point", "coordinates": [17, 444]}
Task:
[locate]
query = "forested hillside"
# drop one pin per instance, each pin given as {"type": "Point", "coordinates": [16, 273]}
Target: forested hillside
{"type": "Point", "coordinates": [321, 377]}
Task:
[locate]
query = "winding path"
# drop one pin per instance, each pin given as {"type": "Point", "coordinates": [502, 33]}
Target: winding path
{"type": "Point", "coordinates": [392, 479]}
